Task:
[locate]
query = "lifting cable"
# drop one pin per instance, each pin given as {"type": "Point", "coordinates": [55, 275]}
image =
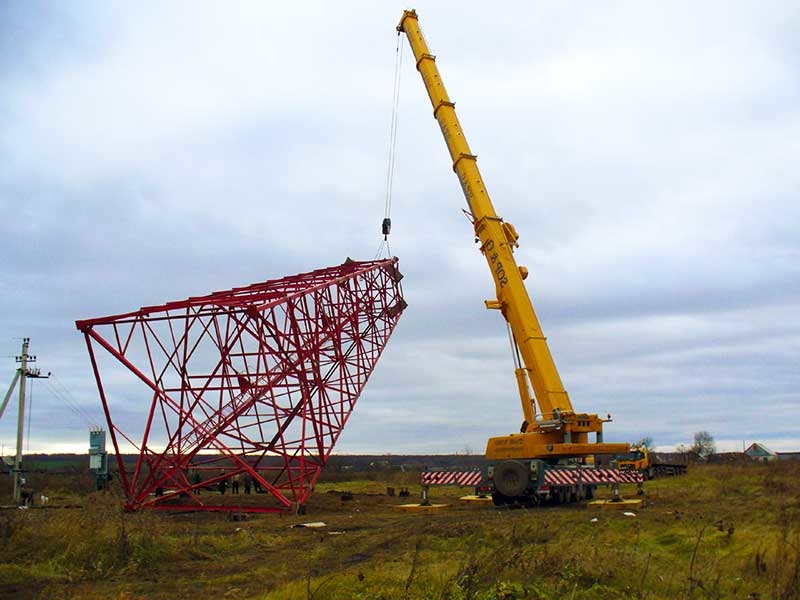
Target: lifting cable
{"type": "Point", "coordinates": [386, 225]}
{"type": "Point", "coordinates": [514, 347]}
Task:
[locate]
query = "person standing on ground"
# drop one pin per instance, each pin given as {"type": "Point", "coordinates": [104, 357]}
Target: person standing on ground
{"type": "Point", "coordinates": [196, 480]}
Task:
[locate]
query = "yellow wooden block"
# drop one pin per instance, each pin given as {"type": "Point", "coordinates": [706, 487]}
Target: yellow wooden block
{"type": "Point", "coordinates": [615, 505]}
{"type": "Point", "coordinates": [473, 499]}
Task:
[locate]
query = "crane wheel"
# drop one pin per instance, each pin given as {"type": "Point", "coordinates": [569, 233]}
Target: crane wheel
{"type": "Point", "coordinates": [499, 500]}
{"type": "Point", "coordinates": [511, 478]}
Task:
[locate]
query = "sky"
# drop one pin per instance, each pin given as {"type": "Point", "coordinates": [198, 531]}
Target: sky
{"type": "Point", "coordinates": [647, 153]}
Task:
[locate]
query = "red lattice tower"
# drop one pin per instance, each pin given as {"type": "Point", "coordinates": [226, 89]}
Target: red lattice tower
{"type": "Point", "coordinates": [250, 385]}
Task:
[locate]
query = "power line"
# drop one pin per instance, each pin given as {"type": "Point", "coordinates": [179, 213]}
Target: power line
{"type": "Point", "coordinates": [65, 396]}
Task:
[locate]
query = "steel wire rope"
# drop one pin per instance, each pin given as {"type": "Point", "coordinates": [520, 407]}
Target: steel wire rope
{"type": "Point", "coordinates": [514, 348]}
{"type": "Point", "coordinates": [398, 74]}
{"type": "Point", "coordinates": [392, 151]}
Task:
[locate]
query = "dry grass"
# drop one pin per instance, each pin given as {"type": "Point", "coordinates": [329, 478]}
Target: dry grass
{"type": "Point", "coordinates": [719, 532]}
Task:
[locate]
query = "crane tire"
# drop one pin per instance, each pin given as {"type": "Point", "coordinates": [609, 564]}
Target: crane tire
{"type": "Point", "coordinates": [499, 499]}
{"type": "Point", "coordinates": [511, 478]}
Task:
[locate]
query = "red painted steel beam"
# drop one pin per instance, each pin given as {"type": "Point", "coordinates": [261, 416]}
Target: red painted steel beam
{"type": "Point", "coordinates": [254, 382]}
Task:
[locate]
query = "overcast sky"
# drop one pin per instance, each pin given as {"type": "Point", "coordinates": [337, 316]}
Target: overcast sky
{"type": "Point", "coordinates": [646, 152]}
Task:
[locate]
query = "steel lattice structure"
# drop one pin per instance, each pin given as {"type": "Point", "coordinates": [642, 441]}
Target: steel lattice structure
{"type": "Point", "coordinates": [255, 382]}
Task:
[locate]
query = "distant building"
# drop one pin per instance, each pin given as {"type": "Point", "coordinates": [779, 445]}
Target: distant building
{"type": "Point", "coordinates": [788, 455]}
{"type": "Point", "coordinates": [726, 457]}
{"type": "Point", "coordinates": [758, 452]}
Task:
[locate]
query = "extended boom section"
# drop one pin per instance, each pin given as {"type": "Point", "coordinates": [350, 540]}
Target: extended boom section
{"type": "Point", "coordinates": [249, 386]}
{"type": "Point", "coordinates": [556, 431]}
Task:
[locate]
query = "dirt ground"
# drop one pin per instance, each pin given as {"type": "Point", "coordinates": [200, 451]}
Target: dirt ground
{"type": "Point", "coordinates": [719, 532]}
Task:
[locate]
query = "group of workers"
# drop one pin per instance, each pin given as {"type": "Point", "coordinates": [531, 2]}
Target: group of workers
{"type": "Point", "coordinates": [236, 482]}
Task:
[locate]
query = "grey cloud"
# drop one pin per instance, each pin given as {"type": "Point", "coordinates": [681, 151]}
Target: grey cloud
{"type": "Point", "coordinates": [645, 154]}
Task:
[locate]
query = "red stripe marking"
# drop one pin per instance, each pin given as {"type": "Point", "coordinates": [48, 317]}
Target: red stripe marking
{"type": "Point", "coordinates": [462, 478]}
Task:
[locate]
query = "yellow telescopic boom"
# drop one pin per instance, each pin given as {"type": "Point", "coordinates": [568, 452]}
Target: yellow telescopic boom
{"type": "Point", "coordinates": [557, 423]}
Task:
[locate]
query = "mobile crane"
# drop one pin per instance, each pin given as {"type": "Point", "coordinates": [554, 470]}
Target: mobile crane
{"type": "Point", "coordinates": [556, 436]}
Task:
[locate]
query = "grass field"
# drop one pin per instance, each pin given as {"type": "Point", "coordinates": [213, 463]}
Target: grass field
{"type": "Point", "coordinates": [719, 532]}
